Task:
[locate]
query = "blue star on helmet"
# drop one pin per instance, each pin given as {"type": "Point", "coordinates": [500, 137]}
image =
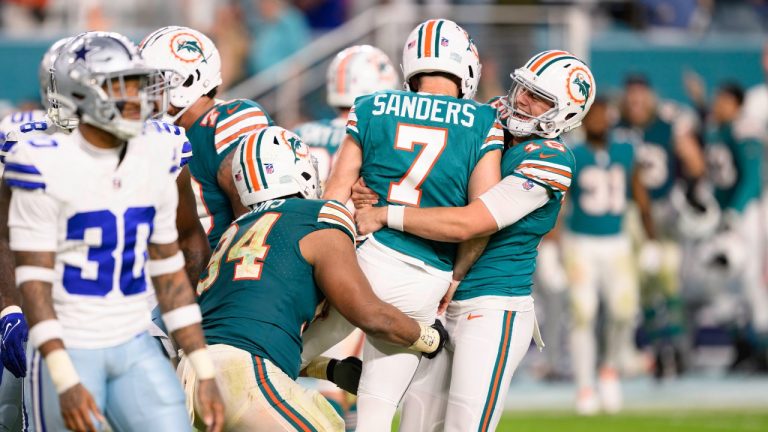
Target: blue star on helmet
{"type": "Point", "coordinates": [192, 46]}
{"type": "Point", "coordinates": [81, 52]}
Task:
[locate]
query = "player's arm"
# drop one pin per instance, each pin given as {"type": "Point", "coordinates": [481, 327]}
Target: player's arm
{"type": "Point", "coordinates": [227, 184]}
{"type": "Point", "coordinates": [689, 152]}
{"type": "Point", "coordinates": [345, 171]}
{"type": "Point", "coordinates": [332, 254]}
{"type": "Point", "coordinates": [643, 201]}
{"type": "Point", "coordinates": [192, 239]}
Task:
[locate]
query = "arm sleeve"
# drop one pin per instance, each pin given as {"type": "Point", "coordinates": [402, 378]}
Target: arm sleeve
{"type": "Point", "coordinates": [33, 220]}
{"type": "Point", "coordinates": [513, 198]}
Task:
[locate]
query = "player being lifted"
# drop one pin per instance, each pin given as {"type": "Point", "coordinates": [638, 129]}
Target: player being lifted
{"type": "Point", "coordinates": [430, 146]}
{"type": "Point", "coordinates": [356, 71]}
{"type": "Point", "coordinates": [491, 319]}
{"type": "Point", "coordinates": [266, 277]}
{"type": "Point", "coordinates": [91, 220]}
{"type": "Point", "coordinates": [213, 127]}
{"type": "Point", "coordinates": [599, 259]}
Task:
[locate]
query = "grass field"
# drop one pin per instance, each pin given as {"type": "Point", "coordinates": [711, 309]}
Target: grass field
{"type": "Point", "coordinates": [671, 421]}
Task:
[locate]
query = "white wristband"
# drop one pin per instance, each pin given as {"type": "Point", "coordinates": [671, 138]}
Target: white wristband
{"type": "Point", "coordinates": [182, 317]}
{"type": "Point", "coordinates": [202, 364]}
{"type": "Point", "coordinates": [172, 264]}
{"type": "Point", "coordinates": [62, 371]}
{"type": "Point", "coordinates": [9, 310]}
{"type": "Point", "coordinates": [428, 341]}
{"type": "Point", "coordinates": [44, 331]}
{"type": "Point", "coordinates": [396, 217]}
{"type": "Point", "coordinates": [34, 273]}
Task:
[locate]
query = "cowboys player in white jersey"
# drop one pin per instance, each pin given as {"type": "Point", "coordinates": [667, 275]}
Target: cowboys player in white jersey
{"type": "Point", "coordinates": [91, 220]}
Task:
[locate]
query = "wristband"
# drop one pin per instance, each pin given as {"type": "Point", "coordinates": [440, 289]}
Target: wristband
{"type": "Point", "coordinates": [202, 364]}
{"type": "Point", "coordinates": [34, 273]}
{"type": "Point", "coordinates": [44, 331]}
{"type": "Point", "coordinates": [182, 317]}
{"type": "Point", "coordinates": [172, 264]}
{"type": "Point", "coordinates": [396, 217]}
{"type": "Point", "coordinates": [9, 310]}
{"type": "Point", "coordinates": [62, 371]}
{"type": "Point", "coordinates": [428, 341]}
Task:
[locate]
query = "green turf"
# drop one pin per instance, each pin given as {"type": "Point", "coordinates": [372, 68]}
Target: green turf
{"type": "Point", "coordinates": [672, 421]}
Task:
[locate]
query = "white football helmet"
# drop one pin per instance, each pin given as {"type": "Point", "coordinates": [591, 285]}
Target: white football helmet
{"type": "Point", "coordinates": [273, 163]}
{"type": "Point", "coordinates": [560, 78]}
{"type": "Point", "coordinates": [358, 71]}
{"type": "Point", "coordinates": [441, 45]}
{"type": "Point", "coordinates": [84, 76]}
{"type": "Point", "coordinates": [192, 58]}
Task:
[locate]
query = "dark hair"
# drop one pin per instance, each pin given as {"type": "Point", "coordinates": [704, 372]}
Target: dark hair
{"type": "Point", "coordinates": [733, 89]}
{"type": "Point", "coordinates": [212, 93]}
{"type": "Point", "coordinates": [414, 81]}
{"type": "Point", "coordinates": [637, 78]}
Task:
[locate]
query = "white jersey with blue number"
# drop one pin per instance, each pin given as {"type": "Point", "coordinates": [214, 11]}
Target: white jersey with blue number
{"type": "Point", "coordinates": [98, 210]}
{"type": "Point", "coordinates": [11, 124]}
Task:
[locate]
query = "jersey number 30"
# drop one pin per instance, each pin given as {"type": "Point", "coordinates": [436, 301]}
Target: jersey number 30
{"type": "Point", "coordinates": [249, 252]}
{"type": "Point", "coordinates": [408, 190]}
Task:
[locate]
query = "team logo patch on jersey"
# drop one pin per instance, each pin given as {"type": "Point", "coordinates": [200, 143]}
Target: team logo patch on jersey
{"type": "Point", "coordinates": [579, 86]}
{"type": "Point", "coordinates": [187, 48]}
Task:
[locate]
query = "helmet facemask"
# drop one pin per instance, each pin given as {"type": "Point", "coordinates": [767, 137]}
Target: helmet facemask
{"type": "Point", "coordinates": [520, 123]}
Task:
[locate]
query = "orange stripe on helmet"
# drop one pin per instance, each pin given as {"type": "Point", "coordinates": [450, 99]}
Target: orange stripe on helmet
{"type": "Point", "coordinates": [544, 59]}
{"type": "Point", "coordinates": [250, 163]}
{"type": "Point", "coordinates": [428, 39]}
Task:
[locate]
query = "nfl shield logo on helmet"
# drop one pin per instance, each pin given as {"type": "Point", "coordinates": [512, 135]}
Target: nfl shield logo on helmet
{"type": "Point", "coordinates": [444, 42]}
{"type": "Point", "coordinates": [269, 168]}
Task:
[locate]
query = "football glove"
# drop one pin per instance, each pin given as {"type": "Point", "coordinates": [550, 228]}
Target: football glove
{"type": "Point", "coordinates": [14, 337]}
{"type": "Point", "coordinates": [438, 326]}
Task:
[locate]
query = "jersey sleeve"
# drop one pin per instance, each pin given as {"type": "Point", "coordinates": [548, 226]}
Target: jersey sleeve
{"type": "Point", "coordinates": [359, 116]}
{"type": "Point", "coordinates": [23, 168]}
{"type": "Point", "coordinates": [237, 118]}
{"type": "Point", "coordinates": [494, 139]}
{"type": "Point", "coordinates": [177, 137]}
{"type": "Point", "coordinates": [334, 215]}
{"type": "Point", "coordinates": [549, 164]}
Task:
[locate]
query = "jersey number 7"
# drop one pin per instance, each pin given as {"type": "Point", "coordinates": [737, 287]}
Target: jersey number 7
{"type": "Point", "coordinates": [408, 190]}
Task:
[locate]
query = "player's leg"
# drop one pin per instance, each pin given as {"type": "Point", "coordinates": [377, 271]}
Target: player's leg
{"type": "Point", "coordinates": [258, 396]}
{"type": "Point", "coordinates": [753, 284]}
{"type": "Point", "coordinates": [323, 334]}
{"type": "Point", "coordinates": [143, 392]}
{"type": "Point", "coordinates": [42, 398]}
{"type": "Point", "coordinates": [388, 369]}
{"type": "Point", "coordinates": [426, 401]}
{"type": "Point", "coordinates": [582, 269]}
{"type": "Point", "coordinates": [488, 349]}
{"type": "Point", "coordinates": [621, 290]}
{"type": "Point", "coordinates": [12, 410]}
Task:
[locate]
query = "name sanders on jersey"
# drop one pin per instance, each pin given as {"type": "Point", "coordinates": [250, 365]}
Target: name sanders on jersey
{"type": "Point", "coordinates": [425, 108]}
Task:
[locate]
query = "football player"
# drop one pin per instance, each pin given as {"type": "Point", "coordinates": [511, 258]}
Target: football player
{"type": "Point", "coordinates": [354, 72]}
{"type": "Point", "coordinates": [429, 146]}
{"type": "Point", "coordinates": [214, 127]}
{"type": "Point", "coordinates": [265, 279]}
{"type": "Point", "coordinates": [491, 317]}
{"type": "Point", "coordinates": [92, 218]}
{"type": "Point", "coordinates": [599, 257]}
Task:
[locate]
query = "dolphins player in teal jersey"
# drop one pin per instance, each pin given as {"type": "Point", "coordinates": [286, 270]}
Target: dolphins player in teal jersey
{"type": "Point", "coordinates": [491, 317]}
{"type": "Point", "coordinates": [735, 157]}
{"type": "Point", "coordinates": [356, 71]}
{"type": "Point", "coordinates": [667, 152]}
{"type": "Point", "coordinates": [599, 259]}
{"type": "Point", "coordinates": [270, 270]}
{"type": "Point", "coordinates": [213, 127]}
{"type": "Point", "coordinates": [429, 146]}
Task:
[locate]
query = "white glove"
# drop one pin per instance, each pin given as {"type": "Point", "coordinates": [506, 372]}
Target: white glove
{"type": "Point", "coordinates": [649, 259]}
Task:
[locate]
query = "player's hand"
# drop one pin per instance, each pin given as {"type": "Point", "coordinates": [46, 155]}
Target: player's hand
{"type": "Point", "coordinates": [362, 196]}
{"type": "Point", "coordinates": [370, 219]}
{"type": "Point", "coordinates": [446, 300]}
{"type": "Point", "coordinates": [14, 336]}
{"type": "Point", "coordinates": [438, 325]}
{"type": "Point", "coordinates": [77, 409]}
{"type": "Point", "coordinates": [210, 405]}
{"type": "Point", "coordinates": [345, 373]}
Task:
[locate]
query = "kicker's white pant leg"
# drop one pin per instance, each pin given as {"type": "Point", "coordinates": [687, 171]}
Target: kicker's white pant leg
{"type": "Point", "coordinates": [489, 345]}
{"type": "Point", "coordinates": [388, 369]}
{"type": "Point", "coordinates": [258, 396]}
{"type": "Point", "coordinates": [425, 402]}
{"type": "Point", "coordinates": [752, 281]}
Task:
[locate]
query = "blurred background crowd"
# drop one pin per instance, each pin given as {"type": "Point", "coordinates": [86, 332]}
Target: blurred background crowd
{"type": "Point", "coordinates": [682, 76]}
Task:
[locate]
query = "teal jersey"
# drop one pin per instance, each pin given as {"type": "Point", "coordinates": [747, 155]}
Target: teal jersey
{"type": "Point", "coordinates": [654, 153]}
{"type": "Point", "coordinates": [602, 182]}
{"type": "Point", "coordinates": [734, 167]}
{"type": "Point", "coordinates": [213, 136]}
{"type": "Point", "coordinates": [323, 138]}
{"type": "Point", "coordinates": [420, 150]}
{"type": "Point", "coordinates": [507, 265]}
{"type": "Point", "coordinates": [258, 291]}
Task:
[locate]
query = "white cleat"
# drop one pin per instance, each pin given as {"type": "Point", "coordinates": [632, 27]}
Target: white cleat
{"type": "Point", "coordinates": [610, 391]}
{"type": "Point", "coordinates": [587, 403]}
